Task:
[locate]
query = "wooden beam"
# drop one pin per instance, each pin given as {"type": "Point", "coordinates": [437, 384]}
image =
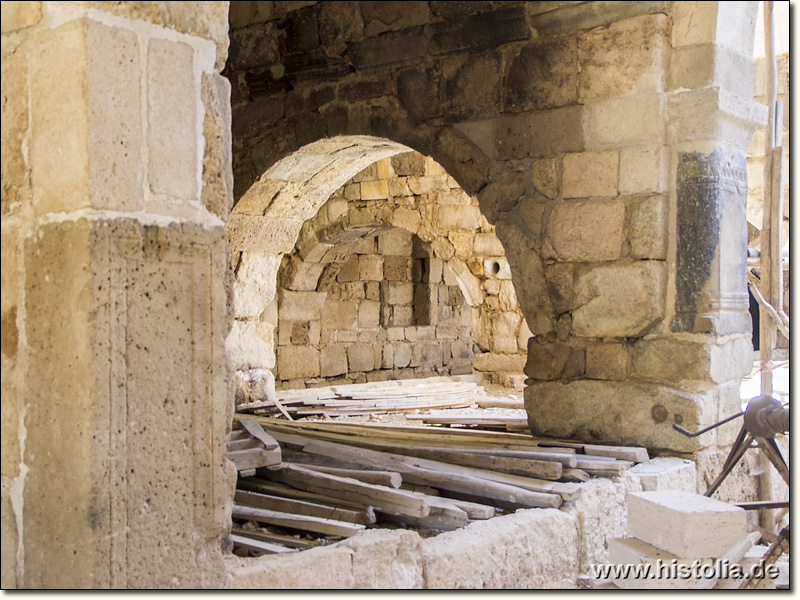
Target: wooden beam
{"type": "Point", "coordinates": [296, 507]}
{"type": "Point", "coordinates": [259, 545]}
{"type": "Point", "coordinates": [274, 538]}
{"type": "Point", "coordinates": [304, 522]}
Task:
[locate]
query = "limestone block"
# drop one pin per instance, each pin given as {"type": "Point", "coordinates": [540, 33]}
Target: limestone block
{"type": "Point", "coordinates": [587, 231]}
{"type": "Point", "coordinates": [689, 525]}
{"type": "Point", "coordinates": [642, 169]}
{"type": "Point", "coordinates": [217, 170]}
{"type": "Point", "coordinates": [487, 244]}
{"type": "Point", "coordinates": [397, 268]}
{"type": "Point", "coordinates": [301, 276]}
{"type": "Point", "coordinates": [408, 163]}
{"type": "Point", "coordinates": [630, 551]}
{"type": "Point", "coordinates": [317, 568]}
{"type": "Point", "coordinates": [360, 357]}
{"type": "Point", "coordinates": [339, 314]}
{"type": "Point", "coordinates": [540, 133]}
{"type": "Point", "coordinates": [608, 361]}
{"type": "Point", "coordinates": [474, 90]}
{"type": "Point", "coordinates": [369, 314]}
{"type": "Point", "coordinates": [625, 121]}
{"type": "Point", "coordinates": [399, 292]}
{"type": "Point", "coordinates": [402, 315]}
{"type": "Point", "coordinates": [489, 361]}
{"type": "Point", "coordinates": [301, 306]}
{"type": "Point", "coordinates": [528, 549]}
{"type": "Point", "coordinates": [559, 285]}
{"type": "Point", "coordinates": [346, 335]}
{"type": "Point", "coordinates": [394, 242]}
{"type": "Point", "coordinates": [298, 362]}
{"type": "Point", "coordinates": [442, 248]}
{"type": "Point", "coordinates": [469, 285]}
{"type": "Point", "coordinates": [508, 296]}
{"type": "Point", "coordinates": [545, 176]}
{"type": "Point", "coordinates": [86, 118]}
{"type": "Point", "coordinates": [425, 332]}
{"type": "Point", "coordinates": [618, 300]}
{"type": "Point", "coordinates": [372, 291]}
{"type": "Point", "coordinates": [625, 57]}
{"type": "Point", "coordinates": [9, 537]}
{"type": "Point", "coordinates": [620, 412]}
{"type": "Point", "coordinates": [250, 345]}
{"type": "Point", "coordinates": [386, 559]}
{"type": "Point", "coordinates": [504, 332]}
{"type": "Point", "coordinates": [546, 361]}
{"type": "Point", "coordinates": [542, 75]}
{"type": "Point", "coordinates": [426, 354]}
{"type": "Point", "coordinates": [524, 336]}
{"type": "Point", "coordinates": [14, 84]}
{"type": "Point", "coordinates": [601, 513]}
{"type": "Point", "coordinates": [406, 218]}
{"type": "Point", "coordinates": [447, 332]}
{"type": "Point", "coordinates": [647, 229]}
{"type": "Point", "coordinates": [668, 359]}
{"type": "Point", "coordinates": [172, 122]}
{"type": "Point", "coordinates": [374, 190]}
{"type": "Point", "coordinates": [349, 271]}
{"type": "Point", "coordinates": [753, 561]}
{"type": "Point", "coordinates": [395, 334]}
{"type": "Point", "coordinates": [402, 355]}
{"type": "Point", "coordinates": [590, 174]}
{"type": "Point", "coordinates": [18, 15]}
{"type": "Point", "coordinates": [457, 217]}
{"type": "Point", "coordinates": [661, 474]}
{"type": "Point", "coordinates": [333, 361]}
{"type": "Point", "coordinates": [501, 195]}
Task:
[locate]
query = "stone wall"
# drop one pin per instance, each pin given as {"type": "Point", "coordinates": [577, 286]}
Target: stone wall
{"type": "Point", "coordinates": [398, 275]}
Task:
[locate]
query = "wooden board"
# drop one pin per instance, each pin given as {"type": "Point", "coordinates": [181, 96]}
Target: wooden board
{"type": "Point", "coordinates": [304, 522]}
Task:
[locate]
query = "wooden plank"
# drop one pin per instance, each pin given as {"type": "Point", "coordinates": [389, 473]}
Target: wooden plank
{"type": "Point", "coordinates": [243, 444]}
{"type": "Point", "coordinates": [381, 497]}
{"type": "Point", "coordinates": [387, 478]}
{"type": "Point", "coordinates": [471, 420]}
{"type": "Point", "coordinates": [366, 514]}
{"type": "Point", "coordinates": [501, 403]}
{"type": "Point", "coordinates": [253, 458]}
{"type": "Point", "coordinates": [254, 429]}
{"type": "Point", "coordinates": [261, 546]}
{"type": "Point", "coordinates": [304, 522]}
{"type": "Point", "coordinates": [274, 538]}
{"type": "Point", "coordinates": [296, 507]}
{"type": "Point", "coordinates": [474, 510]}
{"type": "Point", "coordinates": [602, 468]}
{"type": "Point", "coordinates": [633, 454]}
{"type": "Point", "coordinates": [574, 475]}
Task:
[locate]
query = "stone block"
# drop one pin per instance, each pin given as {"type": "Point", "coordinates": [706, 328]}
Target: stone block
{"type": "Point", "coordinates": [408, 163]}
{"type": "Point", "coordinates": [406, 218]}
{"type": "Point", "coordinates": [298, 362]}
{"type": "Point", "coordinates": [372, 291]}
{"type": "Point", "coordinates": [458, 217]}
{"type": "Point", "coordinates": [339, 314]}
{"type": "Point", "coordinates": [626, 57]}
{"type": "Point", "coordinates": [543, 75]}
{"type": "Point", "coordinates": [402, 355]}
{"type": "Point", "coordinates": [402, 316]}
{"type": "Point", "coordinates": [9, 537]}
{"type": "Point", "coordinates": [346, 336]}
{"type": "Point", "coordinates": [490, 361]}
{"type": "Point", "coordinates": [689, 525]}
{"type": "Point", "coordinates": [360, 357]}
{"type": "Point", "coordinates": [630, 551]}
{"type": "Point", "coordinates": [369, 314]}
{"type": "Point", "coordinates": [395, 334]}
{"type": "Point", "coordinates": [591, 174]}
{"type": "Point", "coordinates": [642, 169]}
{"type": "Point", "coordinates": [662, 474]}
{"type": "Point", "coordinates": [11, 456]}
{"type": "Point", "coordinates": [301, 276]}
{"type": "Point", "coordinates": [397, 268]}
{"type": "Point", "coordinates": [349, 270]}
{"type": "Point", "coordinates": [395, 242]}
{"type": "Point", "coordinates": [442, 249]}
{"type": "Point", "coordinates": [374, 190]}
{"type": "Point", "coordinates": [508, 296]}
{"type": "Point", "coordinates": [487, 244]}
{"type": "Point", "coordinates": [426, 354]}
{"type": "Point", "coordinates": [172, 137]}
{"type": "Point", "coordinates": [462, 243]}
{"type": "Point", "coordinates": [625, 121]}
{"type": "Point", "coordinates": [647, 228]}
{"type": "Point", "coordinates": [524, 336]}
{"type": "Point", "coordinates": [528, 549]}
{"type": "Point", "coordinates": [540, 133]}
{"type": "Point", "coordinates": [18, 15]}
{"type": "Point", "coordinates": [386, 559]}
{"type": "Point", "coordinates": [370, 268]}
{"type": "Point", "coordinates": [545, 176]}
{"type": "Point", "coordinates": [546, 361]}
{"type": "Point", "coordinates": [620, 412]}
{"type": "Point", "coordinates": [473, 91]}
{"type": "Point", "coordinates": [250, 345]}
{"type": "Point", "coordinates": [608, 361]}
{"type": "Point", "coordinates": [587, 231]}
{"type": "Point", "coordinates": [333, 361]}
{"type": "Point", "coordinates": [300, 306]}
{"type": "Point", "coordinates": [504, 332]}
{"type": "Point", "coordinates": [317, 568]}
{"type": "Point", "coordinates": [559, 285]}
{"type": "Point", "coordinates": [399, 292]}
{"type": "Point", "coordinates": [14, 84]}
{"type": "Point", "coordinates": [619, 300]}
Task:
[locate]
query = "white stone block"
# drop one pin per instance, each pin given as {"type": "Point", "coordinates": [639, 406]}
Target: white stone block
{"type": "Point", "coordinates": [661, 474]}
{"type": "Point", "coordinates": [648, 567]}
{"type": "Point", "coordinates": [685, 524]}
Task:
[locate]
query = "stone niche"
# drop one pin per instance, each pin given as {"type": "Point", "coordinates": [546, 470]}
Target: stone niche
{"type": "Point", "coordinates": [398, 275]}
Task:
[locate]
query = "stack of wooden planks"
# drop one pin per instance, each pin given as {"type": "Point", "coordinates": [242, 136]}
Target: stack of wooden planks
{"type": "Point", "coordinates": [371, 398]}
{"type": "Point", "coordinates": [337, 478]}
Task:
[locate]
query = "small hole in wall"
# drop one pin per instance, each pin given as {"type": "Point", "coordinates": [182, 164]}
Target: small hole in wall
{"type": "Point", "coordinates": [494, 268]}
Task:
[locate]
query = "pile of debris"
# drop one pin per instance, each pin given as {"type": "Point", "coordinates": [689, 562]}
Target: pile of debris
{"type": "Point", "coordinates": [308, 483]}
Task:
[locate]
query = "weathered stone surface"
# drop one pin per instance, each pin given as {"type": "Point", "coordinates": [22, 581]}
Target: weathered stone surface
{"type": "Point", "coordinates": [360, 357]}
{"type": "Point", "coordinates": [488, 361]}
{"type": "Point", "coordinates": [217, 171]}
{"type": "Point", "coordinates": [505, 552]}
{"type": "Point", "coordinates": [647, 228]}
{"type": "Point", "coordinates": [542, 75]}
{"type": "Point", "coordinates": [474, 90]}
{"type": "Point", "coordinates": [395, 242]}
{"type": "Point", "coordinates": [589, 174]}
{"type": "Point", "coordinates": [620, 413]}
{"type": "Point", "coordinates": [250, 345]}
{"type": "Point", "coordinates": [608, 361]}
{"type": "Point", "coordinates": [386, 559]}
{"type": "Point", "coordinates": [332, 361]}
{"type": "Point", "coordinates": [587, 231]}
{"type": "Point", "coordinates": [504, 332]}
{"type": "Point", "coordinates": [534, 133]}
{"type": "Point", "coordinates": [295, 362]}
{"type": "Point", "coordinates": [369, 314]}
{"type": "Point", "coordinates": [317, 568]}
{"type": "Point", "coordinates": [501, 195]}
{"type": "Point", "coordinates": [618, 300]}
{"type": "Point", "coordinates": [669, 360]}
{"type": "Point", "coordinates": [625, 121]}
{"type": "Point", "coordinates": [18, 15]}
{"type": "Point", "coordinates": [254, 286]}
{"type": "Point", "coordinates": [546, 361]}
{"type": "Point", "coordinates": [9, 536]}
{"type": "Point", "coordinates": [339, 314]}
{"type": "Point", "coordinates": [545, 176]}
{"type": "Point", "coordinates": [623, 58]}
{"type": "Point", "coordinates": [642, 169]}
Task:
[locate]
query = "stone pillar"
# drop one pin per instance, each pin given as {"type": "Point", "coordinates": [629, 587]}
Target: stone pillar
{"type": "Point", "coordinates": [663, 338]}
{"type": "Point", "coordinates": [122, 288]}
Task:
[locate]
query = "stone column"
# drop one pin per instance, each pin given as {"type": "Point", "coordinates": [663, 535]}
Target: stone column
{"type": "Point", "coordinates": [123, 281]}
